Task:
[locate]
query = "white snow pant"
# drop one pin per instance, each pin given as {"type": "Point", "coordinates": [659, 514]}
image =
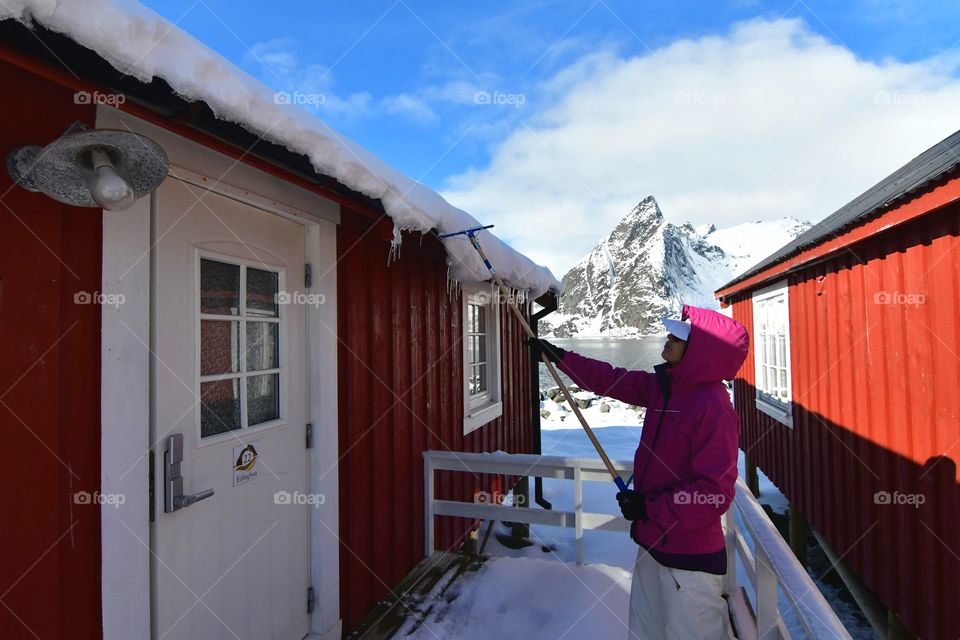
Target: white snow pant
{"type": "Point", "coordinates": [673, 604]}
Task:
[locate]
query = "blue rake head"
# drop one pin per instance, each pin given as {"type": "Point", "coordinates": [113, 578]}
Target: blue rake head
{"type": "Point", "coordinates": [471, 232]}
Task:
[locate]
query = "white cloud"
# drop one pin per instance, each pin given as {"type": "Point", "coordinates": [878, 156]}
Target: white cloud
{"type": "Point", "coordinates": [767, 120]}
{"type": "Point", "coordinates": [311, 86]}
{"type": "Point", "coordinates": [276, 54]}
{"type": "Point", "coordinates": [412, 106]}
{"type": "Point", "coordinates": [421, 105]}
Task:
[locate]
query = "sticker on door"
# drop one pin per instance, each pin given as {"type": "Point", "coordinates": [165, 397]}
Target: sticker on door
{"type": "Point", "coordinates": [245, 464]}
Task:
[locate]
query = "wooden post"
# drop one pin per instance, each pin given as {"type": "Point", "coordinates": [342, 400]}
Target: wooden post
{"type": "Point", "coordinates": [428, 496]}
{"type": "Point", "coordinates": [798, 533]}
{"type": "Point", "coordinates": [752, 479]}
{"type": "Point", "coordinates": [896, 630]}
{"type": "Point", "coordinates": [578, 511]}
{"type": "Point", "coordinates": [521, 500]}
{"type": "Point", "coordinates": [768, 614]}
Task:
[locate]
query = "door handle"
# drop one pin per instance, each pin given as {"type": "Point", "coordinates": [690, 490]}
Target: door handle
{"type": "Point", "coordinates": [179, 502]}
{"type": "Point", "coordinates": [174, 500]}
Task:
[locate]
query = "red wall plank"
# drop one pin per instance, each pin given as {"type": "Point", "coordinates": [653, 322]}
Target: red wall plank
{"type": "Point", "coordinates": [876, 409]}
{"type": "Point", "coordinates": [49, 384]}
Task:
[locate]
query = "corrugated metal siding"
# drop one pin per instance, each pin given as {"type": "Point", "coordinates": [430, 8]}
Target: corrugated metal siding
{"type": "Point", "coordinates": [400, 362]}
{"type": "Point", "coordinates": [876, 390]}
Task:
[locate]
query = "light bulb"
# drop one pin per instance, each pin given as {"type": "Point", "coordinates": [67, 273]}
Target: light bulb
{"type": "Point", "coordinates": [107, 187]}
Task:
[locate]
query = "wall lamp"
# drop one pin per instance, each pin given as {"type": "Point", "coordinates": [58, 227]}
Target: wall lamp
{"type": "Point", "coordinates": [85, 167]}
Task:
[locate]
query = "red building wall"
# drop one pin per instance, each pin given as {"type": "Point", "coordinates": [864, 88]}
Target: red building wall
{"type": "Point", "coordinates": [49, 384]}
{"type": "Point", "coordinates": [400, 363]}
{"type": "Point", "coordinates": [876, 392]}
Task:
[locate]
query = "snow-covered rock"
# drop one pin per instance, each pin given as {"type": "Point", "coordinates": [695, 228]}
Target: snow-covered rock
{"type": "Point", "coordinates": [647, 268]}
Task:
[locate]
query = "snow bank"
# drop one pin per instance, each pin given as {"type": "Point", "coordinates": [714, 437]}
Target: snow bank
{"type": "Point", "coordinates": [144, 45]}
{"type": "Point", "coordinates": [556, 414]}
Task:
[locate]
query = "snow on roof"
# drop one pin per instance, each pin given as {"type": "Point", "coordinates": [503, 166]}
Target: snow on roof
{"type": "Point", "coordinates": [144, 45]}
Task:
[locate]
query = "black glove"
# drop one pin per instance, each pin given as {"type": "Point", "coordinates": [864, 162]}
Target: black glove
{"type": "Point", "coordinates": [633, 505]}
{"type": "Point", "coordinates": [552, 351]}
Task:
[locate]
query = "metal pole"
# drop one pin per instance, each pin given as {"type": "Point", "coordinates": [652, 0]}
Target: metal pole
{"type": "Point", "coordinates": [553, 372]}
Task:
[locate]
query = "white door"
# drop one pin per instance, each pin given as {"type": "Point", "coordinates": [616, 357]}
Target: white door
{"type": "Point", "coordinates": [230, 378]}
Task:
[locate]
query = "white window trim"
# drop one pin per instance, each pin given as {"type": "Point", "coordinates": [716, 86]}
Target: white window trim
{"type": "Point", "coordinates": [478, 414]}
{"type": "Point", "coordinates": [777, 409]}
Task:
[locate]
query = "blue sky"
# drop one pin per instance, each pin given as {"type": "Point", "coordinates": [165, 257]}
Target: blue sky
{"type": "Point", "coordinates": [528, 114]}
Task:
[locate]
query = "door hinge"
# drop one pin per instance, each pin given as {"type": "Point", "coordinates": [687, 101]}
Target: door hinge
{"type": "Point", "coordinates": [309, 435]}
{"type": "Point", "coordinates": [307, 275]}
{"type": "Point", "coordinates": [310, 599]}
{"type": "Point", "coordinates": [150, 487]}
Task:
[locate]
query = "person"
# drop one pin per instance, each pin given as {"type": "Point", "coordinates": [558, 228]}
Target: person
{"type": "Point", "coordinates": [684, 471]}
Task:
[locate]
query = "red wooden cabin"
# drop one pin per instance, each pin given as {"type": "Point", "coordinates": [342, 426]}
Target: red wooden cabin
{"type": "Point", "coordinates": [377, 362]}
{"type": "Point", "coordinates": [849, 397]}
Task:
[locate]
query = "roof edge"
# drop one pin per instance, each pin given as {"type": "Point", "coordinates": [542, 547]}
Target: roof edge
{"type": "Point", "coordinates": [934, 195]}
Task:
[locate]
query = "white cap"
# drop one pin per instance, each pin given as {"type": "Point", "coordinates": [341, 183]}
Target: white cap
{"type": "Point", "coordinates": [679, 328]}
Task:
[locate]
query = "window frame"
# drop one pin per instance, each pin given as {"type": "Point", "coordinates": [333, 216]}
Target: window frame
{"type": "Point", "coordinates": [777, 408]}
{"type": "Point", "coordinates": [242, 374]}
{"type": "Point", "coordinates": [479, 409]}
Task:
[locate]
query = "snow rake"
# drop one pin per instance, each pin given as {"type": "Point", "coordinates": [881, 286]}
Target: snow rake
{"type": "Point", "coordinates": [471, 233]}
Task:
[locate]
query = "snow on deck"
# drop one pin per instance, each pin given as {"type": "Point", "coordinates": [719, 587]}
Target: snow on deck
{"type": "Point", "coordinates": [140, 43]}
{"type": "Point", "coordinates": [531, 598]}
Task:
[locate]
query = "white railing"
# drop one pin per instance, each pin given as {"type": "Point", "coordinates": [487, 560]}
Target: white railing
{"type": "Point", "coordinates": [770, 566]}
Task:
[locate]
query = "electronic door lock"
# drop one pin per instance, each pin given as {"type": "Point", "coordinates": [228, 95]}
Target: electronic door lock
{"type": "Point", "coordinates": [174, 500]}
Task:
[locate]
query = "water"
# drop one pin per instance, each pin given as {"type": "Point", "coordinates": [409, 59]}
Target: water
{"type": "Point", "coordinates": [630, 353]}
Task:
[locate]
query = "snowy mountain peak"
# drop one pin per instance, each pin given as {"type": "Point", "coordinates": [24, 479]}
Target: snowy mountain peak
{"type": "Point", "coordinates": [647, 268]}
{"type": "Point", "coordinates": [647, 211]}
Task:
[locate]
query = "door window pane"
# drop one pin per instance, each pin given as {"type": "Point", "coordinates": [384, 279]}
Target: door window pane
{"type": "Point", "coordinates": [241, 349]}
{"type": "Point", "coordinates": [219, 407]}
{"type": "Point", "coordinates": [219, 288]}
{"type": "Point", "coordinates": [262, 289]}
{"type": "Point", "coordinates": [263, 346]}
{"type": "Point", "coordinates": [263, 398]}
{"type": "Point", "coordinates": [219, 347]}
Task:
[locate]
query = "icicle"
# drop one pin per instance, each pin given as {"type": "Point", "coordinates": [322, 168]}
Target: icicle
{"type": "Point", "coordinates": [394, 253]}
{"type": "Point", "coordinates": [453, 285]}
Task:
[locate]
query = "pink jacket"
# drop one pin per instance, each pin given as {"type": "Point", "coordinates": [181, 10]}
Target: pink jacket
{"type": "Point", "coordinates": [686, 463]}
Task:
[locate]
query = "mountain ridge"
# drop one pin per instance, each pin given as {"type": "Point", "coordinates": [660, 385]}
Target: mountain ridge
{"type": "Point", "coordinates": [647, 267]}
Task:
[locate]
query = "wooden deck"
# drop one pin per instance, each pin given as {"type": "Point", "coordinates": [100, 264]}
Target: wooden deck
{"type": "Point", "coordinates": [407, 600]}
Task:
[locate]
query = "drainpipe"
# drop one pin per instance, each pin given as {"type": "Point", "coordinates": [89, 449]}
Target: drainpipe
{"type": "Point", "coordinates": [549, 303]}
